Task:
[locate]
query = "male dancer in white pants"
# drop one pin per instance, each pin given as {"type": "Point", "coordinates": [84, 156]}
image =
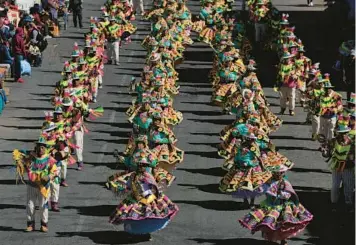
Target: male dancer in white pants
{"type": "Point", "coordinates": [41, 171]}
{"type": "Point", "coordinates": [113, 32]}
{"type": "Point", "coordinates": [138, 4]}
{"type": "Point", "coordinates": [343, 166]}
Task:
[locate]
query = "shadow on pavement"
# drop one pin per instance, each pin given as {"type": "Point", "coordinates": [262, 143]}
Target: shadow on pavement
{"type": "Point", "coordinates": [12, 206]}
{"type": "Point", "coordinates": [122, 134]}
{"type": "Point", "coordinates": [209, 188]}
{"type": "Point", "coordinates": [111, 165]}
{"type": "Point", "coordinates": [218, 172]}
{"type": "Point", "coordinates": [8, 228]}
{"type": "Point", "coordinates": [207, 134]}
{"type": "Point", "coordinates": [233, 241]}
{"type": "Point", "coordinates": [215, 145]}
{"type": "Point", "coordinates": [214, 121]}
{"type": "Point", "coordinates": [21, 127]}
{"type": "Point", "coordinates": [205, 154]}
{"type": "Point", "coordinates": [203, 113]}
{"type": "Point", "coordinates": [102, 183]}
{"type": "Point", "coordinates": [310, 170]}
{"type": "Point", "coordinates": [295, 148]}
{"type": "Point", "coordinates": [104, 237]}
{"type": "Point", "coordinates": [327, 227]}
{"type": "Point", "coordinates": [98, 211]}
{"type": "Point", "coordinates": [216, 205]}
{"type": "Point", "coordinates": [115, 141]}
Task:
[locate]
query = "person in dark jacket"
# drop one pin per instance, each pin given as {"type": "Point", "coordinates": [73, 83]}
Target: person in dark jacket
{"type": "Point", "coordinates": [5, 56]}
{"type": "Point", "coordinates": [348, 73]}
{"type": "Point", "coordinates": [75, 6]}
{"type": "Point", "coordinates": [19, 52]}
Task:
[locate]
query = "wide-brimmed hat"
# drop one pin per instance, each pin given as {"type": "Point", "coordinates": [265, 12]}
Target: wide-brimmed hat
{"type": "Point", "coordinates": [287, 55]}
{"type": "Point", "coordinates": [67, 102]}
{"type": "Point", "coordinates": [49, 126]}
{"type": "Point", "coordinates": [342, 128]}
{"type": "Point", "coordinates": [58, 110]}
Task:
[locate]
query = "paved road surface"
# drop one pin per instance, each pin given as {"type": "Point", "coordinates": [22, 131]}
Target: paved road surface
{"type": "Point", "coordinates": [206, 216]}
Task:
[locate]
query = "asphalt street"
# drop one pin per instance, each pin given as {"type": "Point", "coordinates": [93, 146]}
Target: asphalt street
{"type": "Point", "coordinates": [206, 216]}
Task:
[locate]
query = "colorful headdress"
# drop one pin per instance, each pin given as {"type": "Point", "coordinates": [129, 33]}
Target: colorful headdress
{"type": "Point", "coordinates": [75, 52]}
{"type": "Point", "coordinates": [284, 20]}
{"type": "Point", "coordinates": [343, 124]}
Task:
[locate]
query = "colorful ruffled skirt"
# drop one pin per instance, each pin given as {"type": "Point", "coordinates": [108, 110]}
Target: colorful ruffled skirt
{"type": "Point", "coordinates": [207, 35]}
{"type": "Point", "coordinates": [168, 155]}
{"type": "Point", "coordinates": [223, 91]}
{"type": "Point", "coordinates": [245, 183]}
{"type": "Point", "coordinates": [145, 216]}
{"type": "Point", "coordinates": [278, 222]}
{"type": "Point", "coordinates": [171, 116]}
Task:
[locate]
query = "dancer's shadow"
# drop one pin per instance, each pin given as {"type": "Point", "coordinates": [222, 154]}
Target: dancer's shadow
{"type": "Point", "coordinates": [8, 228]}
{"type": "Point", "coordinates": [233, 241]}
{"type": "Point", "coordinates": [213, 155]}
{"type": "Point", "coordinates": [104, 237]}
{"type": "Point", "coordinates": [209, 188]}
{"type": "Point", "coordinates": [218, 172]}
{"type": "Point", "coordinates": [111, 165]}
{"type": "Point", "coordinates": [97, 211]}
{"type": "Point", "coordinates": [12, 206]}
{"type": "Point", "coordinates": [216, 205]}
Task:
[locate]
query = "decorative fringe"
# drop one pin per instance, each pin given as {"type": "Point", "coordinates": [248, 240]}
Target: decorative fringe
{"type": "Point", "coordinates": [19, 162]}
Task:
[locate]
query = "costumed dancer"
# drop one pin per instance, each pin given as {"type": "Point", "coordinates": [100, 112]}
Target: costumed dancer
{"type": "Point", "coordinates": [146, 209]}
{"type": "Point", "coordinates": [281, 216]}
{"type": "Point", "coordinates": [41, 170]}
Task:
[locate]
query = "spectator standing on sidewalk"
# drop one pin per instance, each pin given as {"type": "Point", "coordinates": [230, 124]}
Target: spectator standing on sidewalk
{"type": "Point", "coordinates": [75, 6]}
{"type": "Point", "coordinates": [19, 52]}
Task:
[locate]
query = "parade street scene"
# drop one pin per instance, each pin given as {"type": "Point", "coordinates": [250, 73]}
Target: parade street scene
{"type": "Point", "coordinates": [180, 122]}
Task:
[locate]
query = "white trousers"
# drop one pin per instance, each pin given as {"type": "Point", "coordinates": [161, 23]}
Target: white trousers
{"type": "Point", "coordinates": [327, 127]}
{"type": "Point", "coordinates": [96, 85]}
{"type": "Point", "coordinates": [100, 79]}
{"type": "Point", "coordinates": [347, 177]}
{"type": "Point", "coordinates": [64, 170]}
{"type": "Point", "coordinates": [114, 49]}
{"type": "Point", "coordinates": [260, 31]}
{"type": "Point", "coordinates": [138, 4]}
{"type": "Point", "coordinates": [54, 188]}
{"type": "Point", "coordinates": [79, 141]}
{"type": "Point", "coordinates": [287, 95]}
{"type": "Point", "coordinates": [315, 124]}
{"type": "Point", "coordinates": [34, 194]}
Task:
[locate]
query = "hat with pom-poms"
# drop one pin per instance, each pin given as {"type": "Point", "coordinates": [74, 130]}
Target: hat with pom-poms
{"type": "Point", "coordinates": [75, 52]}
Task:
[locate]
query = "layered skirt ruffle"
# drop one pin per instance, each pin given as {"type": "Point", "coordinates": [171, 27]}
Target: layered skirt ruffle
{"type": "Point", "coordinates": [245, 183]}
{"type": "Point", "coordinates": [144, 216]}
{"type": "Point", "coordinates": [278, 222]}
{"type": "Point", "coordinates": [168, 156]}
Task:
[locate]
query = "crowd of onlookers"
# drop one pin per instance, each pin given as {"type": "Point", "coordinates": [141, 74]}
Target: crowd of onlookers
{"type": "Point", "coordinates": [24, 37]}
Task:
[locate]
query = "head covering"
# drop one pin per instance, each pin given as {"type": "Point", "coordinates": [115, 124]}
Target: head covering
{"type": "Point", "coordinates": [75, 52]}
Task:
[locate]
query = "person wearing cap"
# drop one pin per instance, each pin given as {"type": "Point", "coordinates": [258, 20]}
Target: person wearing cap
{"type": "Point", "coordinates": [287, 79]}
{"type": "Point", "coordinates": [314, 92]}
{"type": "Point", "coordinates": [330, 107]}
{"type": "Point", "coordinates": [75, 6]}
{"type": "Point", "coordinates": [302, 67]}
{"type": "Point", "coordinates": [281, 207]}
{"type": "Point", "coordinates": [61, 145]}
{"type": "Point", "coordinates": [113, 34]}
{"type": "Point", "coordinates": [41, 169]}
{"type": "Point", "coordinates": [342, 164]}
{"type": "Point", "coordinates": [74, 62]}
